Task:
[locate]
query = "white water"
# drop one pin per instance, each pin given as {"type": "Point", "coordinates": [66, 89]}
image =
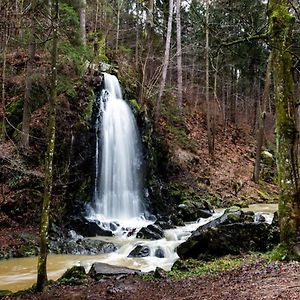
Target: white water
{"type": "Point", "coordinates": [16, 274]}
{"type": "Point", "coordinates": [117, 192]}
{"type": "Point", "coordinates": [20, 273]}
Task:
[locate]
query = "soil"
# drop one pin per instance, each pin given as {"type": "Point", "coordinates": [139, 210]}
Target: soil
{"type": "Point", "coordinates": [278, 280]}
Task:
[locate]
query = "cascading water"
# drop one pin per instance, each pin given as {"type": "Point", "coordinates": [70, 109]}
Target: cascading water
{"type": "Point", "coordinates": [117, 193]}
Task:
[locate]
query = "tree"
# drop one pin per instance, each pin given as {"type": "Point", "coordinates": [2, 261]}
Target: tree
{"type": "Point", "coordinates": [262, 107]}
{"type": "Point", "coordinates": [28, 86]}
{"type": "Point", "coordinates": [179, 55]}
{"type": "Point", "coordinates": [210, 131]}
{"type": "Point", "coordinates": [82, 16]}
{"type": "Point", "coordinates": [166, 58]}
{"type": "Point", "coordinates": [281, 24]}
{"type": "Point", "coordinates": [44, 225]}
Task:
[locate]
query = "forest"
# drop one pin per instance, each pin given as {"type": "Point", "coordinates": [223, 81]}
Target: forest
{"type": "Point", "coordinates": [149, 149]}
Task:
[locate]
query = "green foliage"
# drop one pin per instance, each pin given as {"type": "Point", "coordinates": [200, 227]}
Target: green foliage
{"type": "Point", "coordinates": [280, 252]}
{"type": "Point", "coordinates": [69, 23]}
{"type": "Point", "coordinates": [74, 276]}
{"type": "Point", "coordinates": [192, 268]}
{"type": "Point", "coordinates": [175, 125]}
{"type": "Point", "coordinates": [64, 85]}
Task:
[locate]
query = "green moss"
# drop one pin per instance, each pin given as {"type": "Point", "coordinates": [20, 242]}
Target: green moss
{"type": "Point", "coordinates": [192, 268]}
{"type": "Point", "coordinates": [135, 105]}
{"type": "Point", "coordinates": [74, 276]}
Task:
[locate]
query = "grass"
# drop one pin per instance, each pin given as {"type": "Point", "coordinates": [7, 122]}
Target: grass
{"type": "Point", "coordinates": [184, 269]}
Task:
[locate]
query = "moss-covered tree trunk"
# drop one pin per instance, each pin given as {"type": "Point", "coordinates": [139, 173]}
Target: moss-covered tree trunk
{"type": "Point", "coordinates": [281, 23]}
{"type": "Point", "coordinates": [44, 226]}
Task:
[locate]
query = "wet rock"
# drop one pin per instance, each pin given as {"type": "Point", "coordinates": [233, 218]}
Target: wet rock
{"type": "Point", "coordinates": [100, 270]}
{"type": "Point", "coordinates": [88, 228]}
{"type": "Point", "coordinates": [165, 223]}
{"type": "Point", "coordinates": [159, 253]}
{"type": "Point", "coordinates": [193, 210]}
{"type": "Point", "coordinates": [151, 232]}
{"type": "Point", "coordinates": [140, 251]}
{"type": "Point", "coordinates": [259, 218]}
{"type": "Point", "coordinates": [232, 238]}
{"type": "Point", "coordinates": [81, 247]}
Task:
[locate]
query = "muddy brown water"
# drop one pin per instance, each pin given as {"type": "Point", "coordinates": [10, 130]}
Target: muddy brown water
{"type": "Point", "coordinates": [20, 273]}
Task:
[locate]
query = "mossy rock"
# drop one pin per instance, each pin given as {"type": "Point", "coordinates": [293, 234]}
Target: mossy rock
{"type": "Point", "coordinates": [4, 293]}
{"type": "Point", "coordinates": [74, 276]}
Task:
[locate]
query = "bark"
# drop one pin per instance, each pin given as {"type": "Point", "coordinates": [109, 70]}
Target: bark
{"type": "Point", "coordinates": [166, 58]}
{"type": "Point", "coordinates": [281, 24]}
{"type": "Point", "coordinates": [3, 87]}
{"type": "Point", "coordinates": [179, 55]}
{"type": "Point", "coordinates": [82, 15]}
{"type": "Point", "coordinates": [262, 106]}
{"type": "Point", "coordinates": [44, 226]}
{"type": "Point", "coordinates": [210, 133]}
{"type": "Point", "coordinates": [28, 85]}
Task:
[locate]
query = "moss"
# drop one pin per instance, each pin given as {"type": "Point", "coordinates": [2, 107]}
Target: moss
{"type": "Point", "coordinates": [192, 268]}
{"type": "Point", "coordinates": [135, 105]}
{"type": "Point", "coordinates": [74, 276]}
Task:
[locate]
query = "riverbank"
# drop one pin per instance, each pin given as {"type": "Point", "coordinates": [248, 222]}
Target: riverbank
{"type": "Point", "coordinates": [259, 280]}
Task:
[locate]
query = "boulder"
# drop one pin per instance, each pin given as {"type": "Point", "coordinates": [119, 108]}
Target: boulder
{"type": "Point", "coordinates": [229, 238]}
{"type": "Point", "coordinates": [140, 251]}
{"type": "Point", "coordinates": [159, 253]}
{"type": "Point", "coordinates": [88, 228]}
{"type": "Point", "coordinates": [74, 276]}
{"type": "Point", "coordinates": [151, 232]}
{"type": "Point", "coordinates": [192, 210]}
{"type": "Point", "coordinates": [81, 247]}
{"type": "Point", "coordinates": [100, 270]}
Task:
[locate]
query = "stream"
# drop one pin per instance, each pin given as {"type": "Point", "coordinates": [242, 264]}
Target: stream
{"type": "Point", "coordinates": [20, 273]}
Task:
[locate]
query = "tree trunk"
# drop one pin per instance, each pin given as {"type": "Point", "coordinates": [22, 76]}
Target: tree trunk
{"type": "Point", "coordinates": [28, 85]}
{"type": "Point", "coordinates": [281, 23]}
{"type": "Point", "coordinates": [6, 40]}
{"type": "Point", "coordinates": [262, 107]}
{"type": "Point", "coordinates": [82, 9]}
{"type": "Point", "coordinates": [179, 55]}
{"type": "Point", "coordinates": [210, 133]}
{"type": "Point", "coordinates": [44, 226]}
{"type": "Point", "coordinates": [166, 58]}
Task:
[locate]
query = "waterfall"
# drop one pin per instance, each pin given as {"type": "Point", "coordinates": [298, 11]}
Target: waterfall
{"type": "Point", "coordinates": [117, 193]}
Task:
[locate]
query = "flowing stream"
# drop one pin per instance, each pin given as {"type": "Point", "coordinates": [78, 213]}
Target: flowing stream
{"type": "Point", "coordinates": [20, 273]}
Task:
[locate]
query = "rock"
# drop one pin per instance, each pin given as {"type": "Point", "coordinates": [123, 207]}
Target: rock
{"type": "Point", "coordinates": [74, 276]}
{"type": "Point", "coordinates": [100, 270]}
{"type": "Point", "coordinates": [81, 247]}
{"type": "Point", "coordinates": [165, 223]}
{"type": "Point", "coordinates": [259, 218]}
{"type": "Point", "coordinates": [159, 253]}
{"type": "Point", "coordinates": [193, 210]}
{"type": "Point", "coordinates": [140, 251]}
{"type": "Point", "coordinates": [151, 232]}
{"type": "Point", "coordinates": [4, 293]}
{"type": "Point", "coordinates": [160, 273]}
{"type": "Point", "coordinates": [88, 228]}
{"type": "Point", "coordinates": [235, 238]}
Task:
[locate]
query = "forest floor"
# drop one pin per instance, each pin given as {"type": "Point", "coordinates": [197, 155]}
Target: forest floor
{"type": "Point", "coordinates": [257, 281]}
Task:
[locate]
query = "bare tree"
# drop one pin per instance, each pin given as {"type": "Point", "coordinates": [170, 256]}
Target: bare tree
{"type": "Point", "coordinates": [166, 57]}
{"type": "Point", "coordinates": [179, 55]}
{"type": "Point", "coordinates": [28, 85]}
{"type": "Point", "coordinates": [82, 15]}
{"type": "Point", "coordinates": [210, 131]}
{"type": "Point", "coordinates": [262, 107]}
